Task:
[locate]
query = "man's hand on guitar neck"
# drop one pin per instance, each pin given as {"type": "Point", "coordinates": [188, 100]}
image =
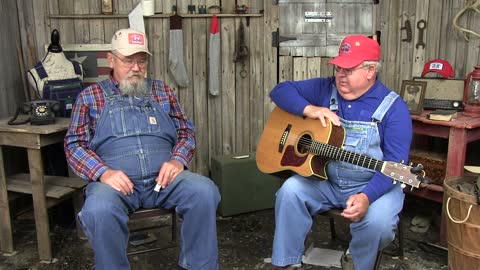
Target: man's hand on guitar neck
{"type": "Point", "coordinates": [357, 207]}
{"type": "Point", "coordinates": [321, 113]}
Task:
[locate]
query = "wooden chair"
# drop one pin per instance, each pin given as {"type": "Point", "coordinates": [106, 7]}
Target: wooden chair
{"type": "Point", "coordinates": [145, 214]}
{"type": "Point", "coordinates": [398, 242]}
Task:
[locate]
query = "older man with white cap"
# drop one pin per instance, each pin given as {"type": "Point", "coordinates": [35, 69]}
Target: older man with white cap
{"type": "Point", "coordinates": [377, 124]}
{"type": "Point", "coordinates": [129, 135]}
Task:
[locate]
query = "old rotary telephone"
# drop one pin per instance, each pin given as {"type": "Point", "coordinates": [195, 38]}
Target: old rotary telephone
{"type": "Point", "coordinates": [42, 112]}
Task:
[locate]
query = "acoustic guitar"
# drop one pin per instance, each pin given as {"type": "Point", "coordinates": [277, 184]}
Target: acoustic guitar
{"type": "Point", "coordinates": [303, 145]}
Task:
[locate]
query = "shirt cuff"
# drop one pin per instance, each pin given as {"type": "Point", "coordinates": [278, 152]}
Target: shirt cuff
{"type": "Point", "coordinates": [371, 194]}
{"type": "Point", "coordinates": [181, 160]}
{"type": "Point", "coordinates": [98, 172]}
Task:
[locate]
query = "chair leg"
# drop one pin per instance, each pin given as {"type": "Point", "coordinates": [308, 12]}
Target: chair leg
{"type": "Point", "coordinates": [400, 239]}
{"type": "Point", "coordinates": [333, 233]}
{"type": "Point", "coordinates": [78, 200]}
{"type": "Point", "coordinates": [378, 260]}
{"type": "Point", "coordinates": [174, 227]}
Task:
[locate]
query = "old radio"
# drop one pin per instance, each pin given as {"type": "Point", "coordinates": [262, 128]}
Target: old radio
{"type": "Point", "coordinates": [443, 93]}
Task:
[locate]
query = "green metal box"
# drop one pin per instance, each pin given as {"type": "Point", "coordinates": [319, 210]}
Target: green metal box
{"type": "Point", "coordinates": [242, 186]}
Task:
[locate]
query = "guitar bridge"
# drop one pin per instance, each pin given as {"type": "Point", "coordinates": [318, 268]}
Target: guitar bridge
{"type": "Point", "coordinates": [284, 137]}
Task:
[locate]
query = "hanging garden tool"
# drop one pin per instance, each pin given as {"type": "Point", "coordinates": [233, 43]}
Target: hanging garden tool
{"type": "Point", "coordinates": [214, 62]}
{"type": "Point", "coordinates": [241, 50]}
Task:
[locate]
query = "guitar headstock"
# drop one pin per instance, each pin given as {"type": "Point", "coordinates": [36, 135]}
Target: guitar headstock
{"type": "Point", "coordinates": [412, 176]}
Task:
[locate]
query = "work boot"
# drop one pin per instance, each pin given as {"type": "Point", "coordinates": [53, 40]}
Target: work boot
{"type": "Point", "coordinates": [347, 261]}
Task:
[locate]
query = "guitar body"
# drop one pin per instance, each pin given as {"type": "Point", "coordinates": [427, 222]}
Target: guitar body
{"type": "Point", "coordinates": [283, 141]}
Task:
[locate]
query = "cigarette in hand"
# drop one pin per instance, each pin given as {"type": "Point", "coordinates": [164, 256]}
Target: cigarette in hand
{"type": "Point", "coordinates": [158, 187]}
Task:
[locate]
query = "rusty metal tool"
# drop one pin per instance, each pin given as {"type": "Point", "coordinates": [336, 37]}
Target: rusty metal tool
{"type": "Point", "coordinates": [421, 25]}
{"type": "Point", "coordinates": [408, 31]}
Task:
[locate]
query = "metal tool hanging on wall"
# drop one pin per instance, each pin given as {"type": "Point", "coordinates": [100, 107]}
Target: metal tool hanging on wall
{"type": "Point", "coordinates": [408, 31]}
{"type": "Point", "coordinates": [241, 50]}
{"type": "Point", "coordinates": [421, 25]}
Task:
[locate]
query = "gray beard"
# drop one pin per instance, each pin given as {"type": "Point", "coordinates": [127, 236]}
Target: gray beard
{"type": "Point", "coordinates": [137, 89]}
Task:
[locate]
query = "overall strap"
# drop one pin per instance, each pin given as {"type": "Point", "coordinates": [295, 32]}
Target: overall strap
{"type": "Point", "coordinates": [106, 86]}
{"type": "Point", "coordinates": [150, 85]}
{"type": "Point", "coordinates": [77, 67]}
{"type": "Point", "coordinates": [42, 73]}
{"type": "Point", "coordinates": [384, 106]}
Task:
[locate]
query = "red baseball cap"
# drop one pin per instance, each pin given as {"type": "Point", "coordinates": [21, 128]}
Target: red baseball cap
{"type": "Point", "coordinates": [439, 66]}
{"type": "Point", "coordinates": [356, 49]}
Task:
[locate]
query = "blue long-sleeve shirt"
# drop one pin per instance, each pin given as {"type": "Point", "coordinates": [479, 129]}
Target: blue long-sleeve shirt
{"type": "Point", "coordinates": [395, 129]}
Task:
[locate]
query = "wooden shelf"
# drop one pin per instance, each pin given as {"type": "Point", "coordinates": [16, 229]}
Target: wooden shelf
{"type": "Point", "coordinates": [56, 187]}
{"type": "Point", "coordinates": [163, 15]}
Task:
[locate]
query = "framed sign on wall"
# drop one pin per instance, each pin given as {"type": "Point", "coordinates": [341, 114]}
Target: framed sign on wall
{"type": "Point", "coordinates": [413, 93]}
{"type": "Point", "coordinates": [92, 57]}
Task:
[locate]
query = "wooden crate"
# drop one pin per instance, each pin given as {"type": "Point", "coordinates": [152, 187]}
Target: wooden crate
{"type": "Point", "coordinates": [435, 164]}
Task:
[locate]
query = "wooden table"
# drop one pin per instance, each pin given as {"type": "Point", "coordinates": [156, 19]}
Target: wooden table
{"type": "Point", "coordinates": [46, 190]}
{"type": "Point", "coordinates": [459, 133]}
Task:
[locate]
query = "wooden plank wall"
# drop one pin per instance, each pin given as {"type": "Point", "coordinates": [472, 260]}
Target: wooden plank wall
{"type": "Point", "coordinates": [232, 122]}
{"type": "Point", "coordinates": [11, 69]}
{"type": "Point", "coordinates": [402, 60]}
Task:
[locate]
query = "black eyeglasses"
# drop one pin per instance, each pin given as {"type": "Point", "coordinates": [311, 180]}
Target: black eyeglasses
{"type": "Point", "coordinates": [129, 62]}
{"type": "Point", "coordinates": [348, 71]}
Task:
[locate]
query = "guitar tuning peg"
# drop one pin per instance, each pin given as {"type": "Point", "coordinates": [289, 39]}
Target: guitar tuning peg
{"type": "Point", "coordinates": [416, 169]}
{"type": "Point", "coordinates": [403, 185]}
{"type": "Point", "coordinates": [426, 180]}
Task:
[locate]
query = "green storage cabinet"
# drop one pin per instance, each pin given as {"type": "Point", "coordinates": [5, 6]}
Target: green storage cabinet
{"type": "Point", "coordinates": [242, 186]}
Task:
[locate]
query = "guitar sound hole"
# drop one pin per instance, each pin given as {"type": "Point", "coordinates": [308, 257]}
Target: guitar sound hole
{"type": "Point", "coordinates": [303, 145]}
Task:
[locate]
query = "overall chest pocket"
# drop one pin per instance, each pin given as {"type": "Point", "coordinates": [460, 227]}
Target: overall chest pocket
{"type": "Point", "coordinates": [134, 120]}
{"type": "Point", "coordinates": [356, 139]}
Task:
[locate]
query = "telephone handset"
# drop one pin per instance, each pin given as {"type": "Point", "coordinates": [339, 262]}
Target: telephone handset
{"type": "Point", "coordinates": [42, 112]}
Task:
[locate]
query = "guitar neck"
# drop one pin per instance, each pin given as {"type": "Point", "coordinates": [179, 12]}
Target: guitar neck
{"type": "Point", "coordinates": [335, 153]}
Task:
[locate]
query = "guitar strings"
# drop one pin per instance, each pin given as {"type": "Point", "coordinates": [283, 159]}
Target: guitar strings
{"type": "Point", "coordinates": [326, 150]}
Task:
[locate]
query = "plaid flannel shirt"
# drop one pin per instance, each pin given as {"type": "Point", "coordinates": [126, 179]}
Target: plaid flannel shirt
{"type": "Point", "coordinates": [87, 111]}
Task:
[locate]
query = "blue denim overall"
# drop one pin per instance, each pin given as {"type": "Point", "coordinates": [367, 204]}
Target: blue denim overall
{"type": "Point", "coordinates": [300, 198]}
{"type": "Point", "coordinates": [65, 91]}
{"type": "Point", "coordinates": [136, 135]}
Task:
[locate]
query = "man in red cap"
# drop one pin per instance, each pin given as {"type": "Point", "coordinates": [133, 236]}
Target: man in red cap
{"type": "Point", "coordinates": [377, 124]}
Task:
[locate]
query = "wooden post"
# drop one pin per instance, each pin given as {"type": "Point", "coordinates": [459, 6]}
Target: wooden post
{"type": "Point", "coordinates": [6, 242]}
{"type": "Point", "coordinates": [40, 204]}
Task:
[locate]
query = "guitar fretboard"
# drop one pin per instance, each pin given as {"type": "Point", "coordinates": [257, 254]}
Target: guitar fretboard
{"type": "Point", "coordinates": [335, 153]}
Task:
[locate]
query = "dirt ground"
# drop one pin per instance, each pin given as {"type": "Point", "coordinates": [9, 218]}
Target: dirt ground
{"type": "Point", "coordinates": [244, 242]}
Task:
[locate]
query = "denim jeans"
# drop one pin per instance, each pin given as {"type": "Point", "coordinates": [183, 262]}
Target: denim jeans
{"type": "Point", "coordinates": [195, 198]}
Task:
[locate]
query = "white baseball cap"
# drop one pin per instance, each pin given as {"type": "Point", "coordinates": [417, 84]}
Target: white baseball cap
{"type": "Point", "coordinates": [129, 41]}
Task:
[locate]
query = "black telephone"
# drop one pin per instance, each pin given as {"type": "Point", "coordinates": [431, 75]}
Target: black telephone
{"type": "Point", "coordinates": [42, 112]}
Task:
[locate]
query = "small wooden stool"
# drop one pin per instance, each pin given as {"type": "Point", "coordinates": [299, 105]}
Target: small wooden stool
{"type": "Point", "coordinates": [144, 213]}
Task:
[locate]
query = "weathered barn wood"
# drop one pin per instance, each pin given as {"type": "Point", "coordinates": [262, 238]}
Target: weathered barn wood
{"type": "Point", "coordinates": [232, 122]}
{"type": "Point", "coordinates": [11, 69]}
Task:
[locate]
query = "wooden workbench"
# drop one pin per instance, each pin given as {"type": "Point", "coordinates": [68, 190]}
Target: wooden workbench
{"type": "Point", "coordinates": [45, 190]}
